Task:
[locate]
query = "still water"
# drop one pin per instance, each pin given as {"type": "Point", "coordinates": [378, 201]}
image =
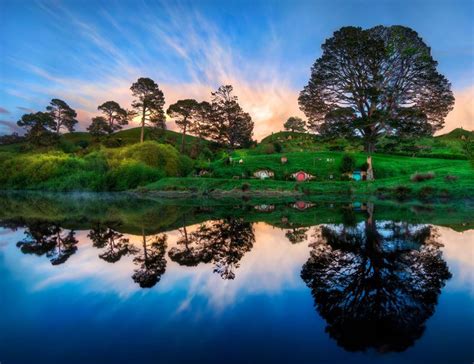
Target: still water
{"type": "Point", "coordinates": [121, 280]}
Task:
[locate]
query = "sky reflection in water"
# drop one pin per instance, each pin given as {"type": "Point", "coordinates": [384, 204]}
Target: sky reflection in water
{"type": "Point", "coordinates": [226, 289]}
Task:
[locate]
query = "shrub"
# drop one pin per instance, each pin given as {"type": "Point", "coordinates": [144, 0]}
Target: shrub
{"type": "Point", "coordinates": [426, 192]}
{"type": "Point", "coordinates": [420, 177]}
{"type": "Point", "coordinates": [186, 165]}
{"type": "Point", "coordinates": [278, 147]}
{"type": "Point", "coordinates": [131, 174]}
{"type": "Point", "coordinates": [245, 187]}
{"type": "Point", "coordinates": [450, 178]}
{"type": "Point", "coordinates": [347, 163]}
{"type": "Point", "coordinates": [269, 149]}
{"type": "Point", "coordinates": [402, 192]}
{"type": "Point", "coordinates": [83, 144]}
{"type": "Point", "coordinates": [152, 154]}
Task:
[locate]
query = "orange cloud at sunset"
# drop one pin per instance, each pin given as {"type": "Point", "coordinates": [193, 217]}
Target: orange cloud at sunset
{"type": "Point", "coordinates": [463, 113]}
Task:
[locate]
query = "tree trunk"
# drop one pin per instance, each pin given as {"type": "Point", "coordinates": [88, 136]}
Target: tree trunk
{"type": "Point", "coordinates": [183, 139]}
{"type": "Point", "coordinates": [142, 134]}
{"type": "Point", "coordinates": [369, 147]}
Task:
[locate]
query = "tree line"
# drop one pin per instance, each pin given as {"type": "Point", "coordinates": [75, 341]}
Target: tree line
{"type": "Point", "coordinates": [368, 83]}
{"type": "Point", "coordinates": [221, 120]}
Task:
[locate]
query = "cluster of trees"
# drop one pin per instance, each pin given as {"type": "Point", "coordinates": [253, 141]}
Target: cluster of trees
{"type": "Point", "coordinates": [44, 127]}
{"type": "Point", "coordinates": [367, 83]}
{"type": "Point", "coordinates": [222, 120]}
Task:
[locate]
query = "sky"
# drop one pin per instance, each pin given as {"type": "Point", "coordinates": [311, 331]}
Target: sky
{"type": "Point", "coordinates": [88, 52]}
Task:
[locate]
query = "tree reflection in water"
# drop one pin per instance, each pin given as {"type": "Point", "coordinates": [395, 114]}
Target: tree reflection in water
{"type": "Point", "coordinates": [296, 235]}
{"type": "Point", "coordinates": [114, 244]}
{"type": "Point", "coordinates": [150, 260]}
{"type": "Point", "coordinates": [223, 242]}
{"type": "Point", "coordinates": [45, 238]}
{"type": "Point", "coordinates": [375, 283]}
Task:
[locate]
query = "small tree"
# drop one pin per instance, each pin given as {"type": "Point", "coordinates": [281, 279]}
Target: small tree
{"type": "Point", "coordinates": [115, 115]}
{"type": "Point", "coordinates": [347, 164]}
{"type": "Point", "coordinates": [183, 111]}
{"type": "Point", "coordinates": [148, 104]}
{"type": "Point", "coordinates": [99, 127]}
{"type": "Point", "coordinates": [63, 115]}
{"type": "Point", "coordinates": [40, 128]}
{"type": "Point", "coordinates": [295, 124]}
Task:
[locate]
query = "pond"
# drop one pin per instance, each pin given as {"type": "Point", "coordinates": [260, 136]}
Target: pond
{"type": "Point", "coordinates": [123, 279]}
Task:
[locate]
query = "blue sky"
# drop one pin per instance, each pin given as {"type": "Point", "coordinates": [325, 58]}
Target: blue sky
{"type": "Point", "coordinates": [88, 52]}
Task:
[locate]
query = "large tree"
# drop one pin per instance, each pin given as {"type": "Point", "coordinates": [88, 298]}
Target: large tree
{"type": "Point", "coordinates": [295, 124]}
{"type": "Point", "coordinates": [377, 81]}
{"type": "Point", "coordinates": [115, 115]}
{"type": "Point", "coordinates": [230, 124]}
{"type": "Point", "coordinates": [40, 128]}
{"type": "Point", "coordinates": [148, 104]}
{"type": "Point", "coordinates": [183, 111]}
{"type": "Point", "coordinates": [63, 115]}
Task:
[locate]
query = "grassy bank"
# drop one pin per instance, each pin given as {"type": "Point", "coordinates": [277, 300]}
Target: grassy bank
{"type": "Point", "coordinates": [450, 180]}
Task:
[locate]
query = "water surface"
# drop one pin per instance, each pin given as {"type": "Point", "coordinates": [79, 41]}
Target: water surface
{"type": "Point", "coordinates": [116, 280]}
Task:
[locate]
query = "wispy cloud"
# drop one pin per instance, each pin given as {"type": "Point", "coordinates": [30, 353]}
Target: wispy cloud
{"type": "Point", "coordinates": [4, 111]}
{"type": "Point", "coordinates": [187, 53]}
{"type": "Point", "coordinates": [208, 56]}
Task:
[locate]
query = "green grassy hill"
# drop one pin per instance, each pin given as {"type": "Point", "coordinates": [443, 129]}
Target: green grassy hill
{"type": "Point", "coordinates": [116, 163]}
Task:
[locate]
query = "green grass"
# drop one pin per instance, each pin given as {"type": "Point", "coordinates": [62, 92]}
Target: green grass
{"type": "Point", "coordinates": [324, 164]}
{"type": "Point", "coordinates": [396, 170]}
{"type": "Point", "coordinates": [116, 163]}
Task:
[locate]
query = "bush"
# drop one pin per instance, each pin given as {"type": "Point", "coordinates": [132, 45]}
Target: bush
{"type": "Point", "coordinates": [402, 192]}
{"type": "Point", "coordinates": [426, 192]}
{"type": "Point", "coordinates": [186, 165]}
{"type": "Point", "coordinates": [269, 149]}
{"type": "Point", "coordinates": [131, 174]}
{"type": "Point", "coordinates": [347, 163]}
{"type": "Point", "coordinates": [153, 154]}
{"type": "Point", "coordinates": [278, 147]}
{"type": "Point", "coordinates": [450, 178]}
{"type": "Point", "coordinates": [245, 187]}
{"type": "Point", "coordinates": [421, 177]}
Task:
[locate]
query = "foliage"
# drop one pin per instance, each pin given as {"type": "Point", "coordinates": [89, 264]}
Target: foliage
{"type": "Point", "coordinates": [63, 116]}
{"type": "Point", "coordinates": [374, 82]}
{"type": "Point", "coordinates": [148, 104]}
{"type": "Point", "coordinates": [347, 164]}
{"type": "Point", "coordinates": [115, 115]}
{"type": "Point", "coordinates": [183, 111]}
{"type": "Point", "coordinates": [99, 127]}
{"type": "Point", "coordinates": [229, 124]}
{"type": "Point", "coordinates": [39, 128]}
{"type": "Point", "coordinates": [420, 177]}
{"type": "Point", "coordinates": [295, 124]}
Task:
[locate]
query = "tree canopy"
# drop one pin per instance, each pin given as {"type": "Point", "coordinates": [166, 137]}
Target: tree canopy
{"type": "Point", "coordinates": [377, 81]}
{"type": "Point", "coordinates": [115, 115]}
{"type": "Point", "coordinates": [99, 127]}
{"type": "Point", "coordinates": [295, 124]}
{"type": "Point", "coordinates": [183, 111]}
{"type": "Point", "coordinates": [39, 128]}
{"type": "Point", "coordinates": [230, 125]}
{"type": "Point", "coordinates": [63, 115]}
{"type": "Point", "coordinates": [148, 104]}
